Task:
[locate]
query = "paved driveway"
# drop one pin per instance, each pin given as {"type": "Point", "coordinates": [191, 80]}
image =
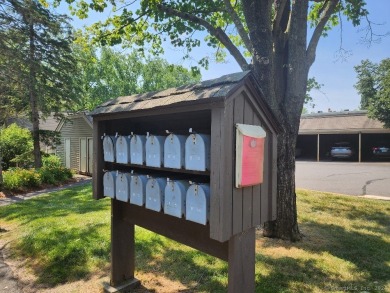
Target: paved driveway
{"type": "Point", "coordinates": [344, 177]}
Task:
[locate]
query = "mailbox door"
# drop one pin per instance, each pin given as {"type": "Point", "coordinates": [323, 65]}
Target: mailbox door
{"type": "Point", "coordinates": [122, 187]}
{"type": "Point", "coordinates": [137, 149]}
{"type": "Point", "coordinates": [155, 188]}
{"type": "Point", "coordinates": [175, 195]}
{"type": "Point", "coordinates": [174, 151]}
{"type": "Point", "coordinates": [122, 150]}
{"type": "Point", "coordinates": [198, 203]}
{"type": "Point", "coordinates": [249, 155]}
{"type": "Point", "coordinates": [138, 189]}
{"type": "Point", "coordinates": [109, 148]}
{"type": "Point", "coordinates": [154, 149]}
{"type": "Point", "coordinates": [109, 184]}
{"type": "Point", "coordinates": [197, 152]}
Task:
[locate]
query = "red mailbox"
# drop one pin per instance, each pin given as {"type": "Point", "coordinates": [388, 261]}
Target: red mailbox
{"type": "Point", "coordinates": [249, 154]}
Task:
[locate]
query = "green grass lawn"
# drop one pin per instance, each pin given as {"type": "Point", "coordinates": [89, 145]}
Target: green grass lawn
{"type": "Point", "coordinates": [65, 236]}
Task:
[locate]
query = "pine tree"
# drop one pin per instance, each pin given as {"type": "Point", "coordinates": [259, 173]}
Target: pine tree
{"type": "Point", "coordinates": [36, 46]}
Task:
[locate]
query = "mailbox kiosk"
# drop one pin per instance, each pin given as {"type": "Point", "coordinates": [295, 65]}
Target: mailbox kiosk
{"type": "Point", "coordinates": [224, 211]}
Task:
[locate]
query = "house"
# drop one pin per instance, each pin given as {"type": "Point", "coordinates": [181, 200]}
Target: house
{"type": "Point", "coordinates": [318, 132]}
{"type": "Point", "coordinates": [76, 145]}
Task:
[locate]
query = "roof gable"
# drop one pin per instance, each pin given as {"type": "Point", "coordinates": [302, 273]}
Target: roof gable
{"type": "Point", "coordinates": [204, 92]}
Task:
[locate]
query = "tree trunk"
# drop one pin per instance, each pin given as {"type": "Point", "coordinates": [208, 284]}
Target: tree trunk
{"type": "Point", "coordinates": [1, 171]}
{"type": "Point", "coordinates": [290, 72]}
{"type": "Point", "coordinates": [34, 100]}
{"type": "Point", "coordinates": [286, 225]}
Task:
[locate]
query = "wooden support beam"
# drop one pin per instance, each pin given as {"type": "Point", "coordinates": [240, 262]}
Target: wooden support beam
{"type": "Point", "coordinates": [242, 262]}
{"type": "Point", "coordinates": [122, 247]}
{"type": "Point", "coordinates": [360, 147]}
{"type": "Point", "coordinates": [318, 147]}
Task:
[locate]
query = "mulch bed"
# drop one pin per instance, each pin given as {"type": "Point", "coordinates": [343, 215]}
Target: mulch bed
{"type": "Point", "coordinates": [10, 193]}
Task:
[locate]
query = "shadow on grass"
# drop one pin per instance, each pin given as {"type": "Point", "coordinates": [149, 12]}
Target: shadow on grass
{"type": "Point", "coordinates": [194, 269]}
{"type": "Point", "coordinates": [287, 274]}
{"type": "Point", "coordinates": [62, 255]}
{"type": "Point", "coordinates": [56, 204]}
{"type": "Point", "coordinates": [369, 253]}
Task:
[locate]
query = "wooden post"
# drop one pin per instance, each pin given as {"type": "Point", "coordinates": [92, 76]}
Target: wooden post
{"type": "Point", "coordinates": [360, 147]}
{"type": "Point", "coordinates": [122, 250]}
{"type": "Point", "coordinates": [318, 147]}
{"type": "Point", "coordinates": [98, 162]}
{"type": "Point", "coordinates": [242, 262]}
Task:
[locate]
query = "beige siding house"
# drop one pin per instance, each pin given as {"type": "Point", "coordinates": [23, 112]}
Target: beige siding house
{"type": "Point", "coordinates": [76, 147]}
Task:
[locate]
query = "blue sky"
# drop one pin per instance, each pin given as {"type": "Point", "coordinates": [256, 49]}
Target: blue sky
{"type": "Point", "coordinates": [337, 75]}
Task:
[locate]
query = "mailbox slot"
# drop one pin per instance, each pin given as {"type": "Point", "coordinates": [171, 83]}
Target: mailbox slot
{"type": "Point", "coordinates": [137, 149]}
{"type": "Point", "coordinates": [122, 187]}
{"type": "Point", "coordinates": [198, 203]}
{"type": "Point", "coordinates": [175, 197]}
{"type": "Point", "coordinates": [109, 148]}
{"type": "Point", "coordinates": [154, 149]}
{"type": "Point", "coordinates": [138, 189]}
{"type": "Point", "coordinates": [174, 146]}
{"type": "Point", "coordinates": [155, 188]}
{"type": "Point", "coordinates": [122, 149]}
{"type": "Point", "coordinates": [109, 179]}
{"type": "Point", "coordinates": [197, 152]}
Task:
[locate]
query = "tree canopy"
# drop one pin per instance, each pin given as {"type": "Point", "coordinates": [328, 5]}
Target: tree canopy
{"type": "Point", "coordinates": [270, 37]}
{"type": "Point", "coordinates": [374, 87]}
{"type": "Point", "coordinates": [106, 73]}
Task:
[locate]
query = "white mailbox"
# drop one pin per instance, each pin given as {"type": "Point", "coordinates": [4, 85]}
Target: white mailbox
{"type": "Point", "coordinates": [138, 189]}
{"type": "Point", "coordinates": [109, 179]}
{"type": "Point", "coordinates": [108, 148]}
{"type": "Point", "coordinates": [198, 203]}
{"type": "Point", "coordinates": [197, 152]}
{"type": "Point", "coordinates": [175, 197]}
{"type": "Point", "coordinates": [155, 188]}
{"type": "Point", "coordinates": [154, 150]}
{"type": "Point", "coordinates": [122, 149]}
{"type": "Point", "coordinates": [174, 151]}
{"type": "Point", "coordinates": [137, 149]}
{"type": "Point", "coordinates": [122, 187]}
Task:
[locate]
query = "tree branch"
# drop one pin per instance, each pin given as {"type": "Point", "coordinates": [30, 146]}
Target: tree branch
{"type": "Point", "coordinates": [216, 32]}
{"type": "Point", "coordinates": [280, 5]}
{"type": "Point", "coordinates": [325, 15]}
{"type": "Point", "coordinates": [240, 28]}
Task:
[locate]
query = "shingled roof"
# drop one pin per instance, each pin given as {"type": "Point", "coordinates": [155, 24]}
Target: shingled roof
{"type": "Point", "coordinates": [205, 91]}
{"type": "Point", "coordinates": [340, 122]}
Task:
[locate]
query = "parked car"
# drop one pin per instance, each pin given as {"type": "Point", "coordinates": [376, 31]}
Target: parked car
{"type": "Point", "coordinates": [381, 152]}
{"type": "Point", "coordinates": [342, 150]}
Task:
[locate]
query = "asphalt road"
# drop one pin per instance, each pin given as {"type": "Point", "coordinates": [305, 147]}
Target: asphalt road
{"type": "Point", "coordinates": [344, 177]}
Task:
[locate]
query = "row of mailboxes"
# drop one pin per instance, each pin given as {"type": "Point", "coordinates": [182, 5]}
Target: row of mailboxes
{"type": "Point", "coordinates": [173, 151]}
{"type": "Point", "coordinates": [176, 197]}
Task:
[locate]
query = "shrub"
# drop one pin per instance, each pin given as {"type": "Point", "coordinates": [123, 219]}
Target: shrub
{"type": "Point", "coordinates": [47, 175]}
{"type": "Point", "coordinates": [54, 174]}
{"type": "Point", "coordinates": [51, 161]}
{"type": "Point", "coordinates": [14, 141]}
{"type": "Point", "coordinates": [17, 179]}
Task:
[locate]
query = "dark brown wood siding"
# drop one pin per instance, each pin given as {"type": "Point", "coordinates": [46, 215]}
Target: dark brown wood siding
{"type": "Point", "coordinates": [234, 210]}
